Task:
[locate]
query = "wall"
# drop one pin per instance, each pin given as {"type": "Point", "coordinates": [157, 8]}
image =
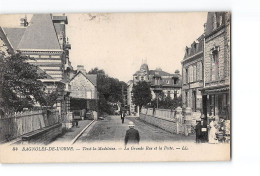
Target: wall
{"type": "Point", "coordinates": [80, 86]}
{"type": "Point", "coordinates": [15, 125]}
{"type": "Point", "coordinates": [162, 118]}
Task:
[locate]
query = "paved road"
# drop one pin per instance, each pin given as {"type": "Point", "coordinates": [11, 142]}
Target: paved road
{"type": "Point", "coordinates": [112, 130]}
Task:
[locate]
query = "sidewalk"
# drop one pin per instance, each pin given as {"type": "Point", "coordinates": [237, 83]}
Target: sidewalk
{"type": "Point", "coordinates": [69, 135]}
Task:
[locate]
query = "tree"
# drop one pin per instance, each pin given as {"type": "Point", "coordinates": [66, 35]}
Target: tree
{"type": "Point", "coordinates": [109, 90]}
{"type": "Point", "coordinates": [141, 94]}
{"type": "Point", "coordinates": [21, 85]}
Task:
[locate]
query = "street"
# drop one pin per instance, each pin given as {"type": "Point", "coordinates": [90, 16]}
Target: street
{"type": "Point", "coordinates": [111, 129]}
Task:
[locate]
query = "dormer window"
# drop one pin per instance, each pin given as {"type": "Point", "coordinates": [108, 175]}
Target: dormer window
{"type": "Point", "coordinates": [175, 80]}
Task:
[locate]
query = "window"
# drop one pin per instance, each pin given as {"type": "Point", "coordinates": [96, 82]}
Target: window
{"type": "Point", "coordinates": [194, 73]}
{"type": "Point", "coordinates": [191, 74]}
{"type": "Point", "coordinates": [175, 80]}
{"type": "Point", "coordinates": [169, 94]}
{"type": "Point", "coordinates": [186, 99]}
{"type": "Point", "coordinates": [187, 75]}
{"type": "Point", "coordinates": [142, 78]}
{"type": "Point", "coordinates": [175, 94]}
{"type": "Point", "coordinates": [89, 96]}
{"type": "Point", "coordinates": [215, 66]}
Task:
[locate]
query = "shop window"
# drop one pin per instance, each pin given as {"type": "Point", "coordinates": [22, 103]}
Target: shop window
{"type": "Point", "coordinates": [211, 105]}
{"type": "Point", "coordinates": [175, 94]}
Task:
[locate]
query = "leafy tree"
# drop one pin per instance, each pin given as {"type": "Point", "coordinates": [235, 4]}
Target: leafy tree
{"type": "Point", "coordinates": [21, 85]}
{"type": "Point", "coordinates": [109, 90]}
{"type": "Point", "coordinates": [141, 94]}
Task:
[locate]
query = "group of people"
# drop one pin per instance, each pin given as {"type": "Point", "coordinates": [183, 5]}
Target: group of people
{"type": "Point", "coordinates": [213, 132]}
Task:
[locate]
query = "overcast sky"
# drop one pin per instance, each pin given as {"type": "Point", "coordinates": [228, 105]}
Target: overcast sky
{"type": "Point", "coordinates": [118, 42]}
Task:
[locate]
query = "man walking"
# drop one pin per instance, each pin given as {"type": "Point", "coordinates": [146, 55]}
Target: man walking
{"type": "Point", "coordinates": [123, 116]}
{"type": "Point", "coordinates": [132, 135]}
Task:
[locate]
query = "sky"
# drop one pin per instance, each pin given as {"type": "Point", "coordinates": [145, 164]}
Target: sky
{"type": "Point", "coordinates": [119, 43]}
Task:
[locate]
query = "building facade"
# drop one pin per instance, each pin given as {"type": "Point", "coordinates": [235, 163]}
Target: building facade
{"type": "Point", "coordinates": [192, 75]}
{"type": "Point", "coordinates": [84, 92]}
{"type": "Point", "coordinates": [216, 90]}
{"type": "Point", "coordinates": [169, 84]}
{"type": "Point", "coordinates": [160, 81]}
{"type": "Point", "coordinates": [44, 40]}
{"type": "Point", "coordinates": [83, 85]}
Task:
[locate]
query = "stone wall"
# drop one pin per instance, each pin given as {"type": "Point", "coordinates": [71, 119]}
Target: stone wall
{"type": "Point", "coordinates": [163, 118]}
{"type": "Point", "coordinates": [81, 87]}
{"type": "Point", "coordinates": [166, 124]}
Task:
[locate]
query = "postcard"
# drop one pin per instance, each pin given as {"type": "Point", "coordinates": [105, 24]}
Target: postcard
{"type": "Point", "coordinates": [115, 87]}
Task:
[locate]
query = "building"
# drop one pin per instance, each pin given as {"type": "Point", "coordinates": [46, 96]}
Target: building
{"type": "Point", "coordinates": [44, 40]}
{"type": "Point", "coordinates": [83, 89]}
{"type": "Point", "coordinates": [216, 90]}
{"type": "Point", "coordinates": [169, 84]}
{"type": "Point", "coordinates": [192, 75]}
{"type": "Point", "coordinates": [160, 81]}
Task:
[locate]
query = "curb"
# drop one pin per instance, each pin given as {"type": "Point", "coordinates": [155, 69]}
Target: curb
{"type": "Point", "coordinates": [82, 131]}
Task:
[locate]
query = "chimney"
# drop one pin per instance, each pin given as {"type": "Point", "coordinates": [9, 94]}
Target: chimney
{"type": "Point", "coordinates": [81, 68]}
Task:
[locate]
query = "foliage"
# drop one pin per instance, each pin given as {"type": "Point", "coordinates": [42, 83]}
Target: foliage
{"type": "Point", "coordinates": [21, 85]}
{"type": "Point", "coordinates": [141, 94]}
{"type": "Point", "coordinates": [109, 90]}
{"type": "Point", "coordinates": [167, 103]}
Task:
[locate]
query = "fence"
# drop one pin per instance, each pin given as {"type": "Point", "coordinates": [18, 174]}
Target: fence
{"type": "Point", "coordinates": [15, 125]}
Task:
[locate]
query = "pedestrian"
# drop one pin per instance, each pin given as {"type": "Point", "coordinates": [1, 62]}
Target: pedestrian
{"type": "Point", "coordinates": [132, 135]}
{"type": "Point", "coordinates": [123, 116]}
{"type": "Point", "coordinates": [221, 132]}
{"type": "Point", "coordinates": [212, 132]}
{"type": "Point", "coordinates": [198, 131]}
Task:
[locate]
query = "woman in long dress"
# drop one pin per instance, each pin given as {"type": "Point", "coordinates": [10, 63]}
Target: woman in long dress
{"type": "Point", "coordinates": [212, 133]}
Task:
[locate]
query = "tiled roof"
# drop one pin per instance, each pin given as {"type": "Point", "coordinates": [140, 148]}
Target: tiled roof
{"type": "Point", "coordinates": [40, 34]}
{"type": "Point", "coordinates": [14, 35]}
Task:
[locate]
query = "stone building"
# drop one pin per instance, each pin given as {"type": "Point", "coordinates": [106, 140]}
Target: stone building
{"type": "Point", "coordinates": [216, 90]}
{"type": "Point", "coordinates": [83, 88]}
{"type": "Point", "coordinates": [44, 40]}
{"type": "Point", "coordinates": [192, 75]}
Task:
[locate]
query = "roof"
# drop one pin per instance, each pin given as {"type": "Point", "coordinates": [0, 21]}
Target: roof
{"type": "Point", "coordinates": [212, 16]}
{"type": "Point", "coordinates": [91, 77]}
{"type": "Point", "coordinates": [14, 35]}
{"type": "Point", "coordinates": [40, 34]}
{"type": "Point", "coordinates": [162, 73]}
{"type": "Point", "coordinates": [195, 48]}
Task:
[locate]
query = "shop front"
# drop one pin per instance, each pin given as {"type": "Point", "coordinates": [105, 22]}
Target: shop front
{"type": "Point", "coordinates": [216, 107]}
